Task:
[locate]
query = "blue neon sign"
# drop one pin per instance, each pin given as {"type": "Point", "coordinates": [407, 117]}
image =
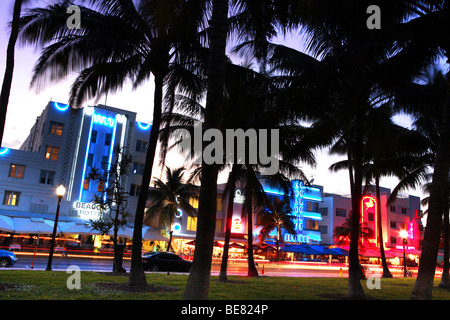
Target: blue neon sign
{"type": "Point", "coordinates": [60, 107]}
{"type": "Point", "coordinates": [3, 151]}
{"type": "Point", "coordinates": [103, 120]}
{"type": "Point", "coordinates": [144, 126]}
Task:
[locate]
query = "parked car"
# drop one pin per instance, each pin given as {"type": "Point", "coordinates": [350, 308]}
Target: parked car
{"type": "Point", "coordinates": [165, 261]}
{"type": "Point", "coordinates": [7, 258]}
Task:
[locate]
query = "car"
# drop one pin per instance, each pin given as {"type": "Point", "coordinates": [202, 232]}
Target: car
{"type": "Point", "coordinates": [165, 261]}
{"type": "Point", "coordinates": [7, 258]}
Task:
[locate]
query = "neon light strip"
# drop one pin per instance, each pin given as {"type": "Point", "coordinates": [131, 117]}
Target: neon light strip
{"type": "Point", "coordinates": [86, 159]}
{"type": "Point", "coordinates": [144, 126]}
{"type": "Point", "coordinates": [58, 107]}
{"type": "Point", "coordinates": [3, 151]}
{"type": "Point", "coordinates": [111, 149]}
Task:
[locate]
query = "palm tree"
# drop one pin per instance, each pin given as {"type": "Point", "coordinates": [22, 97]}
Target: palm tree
{"type": "Point", "coordinates": [131, 43]}
{"type": "Point", "coordinates": [275, 217]}
{"type": "Point", "coordinates": [9, 70]}
{"type": "Point", "coordinates": [169, 197]}
{"type": "Point", "coordinates": [342, 233]}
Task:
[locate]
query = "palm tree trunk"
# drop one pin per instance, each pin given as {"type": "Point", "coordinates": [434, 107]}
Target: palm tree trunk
{"type": "Point", "coordinates": [445, 279]}
{"type": "Point", "coordinates": [137, 275]}
{"type": "Point", "coordinates": [223, 267]}
{"type": "Point", "coordinates": [198, 282]}
{"type": "Point", "coordinates": [355, 290]}
{"type": "Point", "coordinates": [386, 272]}
{"type": "Point", "coordinates": [8, 76]}
{"type": "Point", "coordinates": [248, 209]}
{"type": "Point", "coordinates": [427, 266]}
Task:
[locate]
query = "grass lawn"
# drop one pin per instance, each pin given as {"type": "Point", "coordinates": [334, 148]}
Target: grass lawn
{"type": "Point", "coordinates": [52, 285]}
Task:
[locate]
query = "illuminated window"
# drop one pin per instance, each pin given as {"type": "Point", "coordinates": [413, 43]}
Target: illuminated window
{"type": "Point", "coordinates": [312, 206]}
{"type": "Point", "coordinates": [52, 153]}
{"type": "Point", "coordinates": [47, 177]}
{"type": "Point", "coordinates": [219, 224]}
{"type": "Point", "coordinates": [101, 185]}
{"type": "Point", "coordinates": [138, 168]}
{"type": "Point", "coordinates": [312, 224]}
{"type": "Point", "coordinates": [16, 171]}
{"type": "Point", "coordinates": [56, 128]}
{"type": "Point", "coordinates": [193, 202]}
{"type": "Point", "coordinates": [86, 184]}
{"type": "Point", "coordinates": [192, 224]}
{"type": "Point", "coordinates": [219, 204]}
{"type": "Point", "coordinates": [11, 198]}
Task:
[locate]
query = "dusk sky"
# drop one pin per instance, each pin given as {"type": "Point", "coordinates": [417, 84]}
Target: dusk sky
{"type": "Point", "coordinates": [26, 104]}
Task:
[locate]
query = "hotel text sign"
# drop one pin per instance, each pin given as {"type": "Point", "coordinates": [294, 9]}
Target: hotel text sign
{"type": "Point", "coordinates": [85, 210]}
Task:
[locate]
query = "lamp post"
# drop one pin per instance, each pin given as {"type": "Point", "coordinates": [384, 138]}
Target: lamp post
{"type": "Point", "coordinates": [404, 235]}
{"type": "Point", "coordinates": [60, 191]}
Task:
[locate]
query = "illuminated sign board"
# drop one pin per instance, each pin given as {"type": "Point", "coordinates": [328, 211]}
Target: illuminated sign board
{"type": "Point", "coordinates": [369, 205]}
{"type": "Point", "coordinates": [86, 210]}
{"type": "Point", "coordinates": [238, 197]}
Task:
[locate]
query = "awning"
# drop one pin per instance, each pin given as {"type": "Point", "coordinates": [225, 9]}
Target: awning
{"type": "Point", "coordinates": [6, 224]}
{"type": "Point", "coordinates": [375, 253]}
{"type": "Point", "coordinates": [148, 233]}
{"type": "Point", "coordinates": [305, 249]}
{"type": "Point", "coordinates": [32, 225]}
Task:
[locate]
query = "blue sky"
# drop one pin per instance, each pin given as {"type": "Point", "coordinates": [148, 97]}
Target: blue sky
{"type": "Point", "coordinates": [26, 104]}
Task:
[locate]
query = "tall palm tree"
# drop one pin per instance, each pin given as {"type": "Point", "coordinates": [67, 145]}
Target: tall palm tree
{"type": "Point", "coordinates": [9, 70]}
{"type": "Point", "coordinates": [169, 197]}
{"type": "Point", "coordinates": [276, 216]}
{"type": "Point", "coordinates": [131, 42]}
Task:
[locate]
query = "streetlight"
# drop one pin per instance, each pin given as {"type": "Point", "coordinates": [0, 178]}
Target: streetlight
{"type": "Point", "coordinates": [60, 191]}
{"type": "Point", "coordinates": [404, 235]}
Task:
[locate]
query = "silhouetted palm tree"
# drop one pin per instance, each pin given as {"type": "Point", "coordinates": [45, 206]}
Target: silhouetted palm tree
{"type": "Point", "coordinates": [169, 197]}
{"type": "Point", "coordinates": [117, 42]}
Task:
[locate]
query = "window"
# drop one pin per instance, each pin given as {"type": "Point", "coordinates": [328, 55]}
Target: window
{"type": "Point", "coordinates": [138, 168]}
{"type": "Point", "coordinates": [134, 190]}
{"type": "Point", "coordinates": [312, 206]}
{"type": "Point", "coordinates": [56, 128]}
{"type": "Point", "coordinates": [94, 135]}
{"type": "Point", "coordinates": [52, 153]}
{"type": "Point", "coordinates": [393, 240]}
{"type": "Point", "coordinates": [192, 224]}
{"type": "Point", "coordinates": [219, 223]}
{"type": "Point", "coordinates": [104, 164]}
{"type": "Point", "coordinates": [370, 216]}
{"type": "Point", "coordinates": [108, 139]}
{"type": "Point", "coordinates": [404, 211]}
{"type": "Point", "coordinates": [141, 146]}
{"type": "Point", "coordinates": [219, 204]}
{"type": "Point", "coordinates": [341, 212]}
{"type": "Point", "coordinates": [101, 185]}
{"type": "Point", "coordinates": [193, 202]}
{"type": "Point", "coordinates": [323, 212]}
{"type": "Point", "coordinates": [392, 208]}
{"type": "Point", "coordinates": [11, 198]}
{"type": "Point", "coordinates": [312, 224]}
{"type": "Point", "coordinates": [323, 229]}
{"type": "Point", "coordinates": [16, 171]}
{"type": "Point", "coordinates": [47, 177]}
{"type": "Point", "coordinates": [86, 184]}
{"type": "Point", "coordinates": [393, 225]}
{"type": "Point", "coordinates": [90, 160]}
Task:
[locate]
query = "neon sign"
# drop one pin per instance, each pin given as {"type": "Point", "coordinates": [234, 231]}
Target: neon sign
{"type": "Point", "coordinates": [144, 126]}
{"type": "Point", "coordinates": [61, 108]}
{"type": "Point", "coordinates": [237, 223]}
{"type": "Point", "coordinates": [3, 151]}
{"type": "Point", "coordinates": [298, 207]}
{"type": "Point", "coordinates": [369, 205]}
{"type": "Point", "coordinates": [103, 120]}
